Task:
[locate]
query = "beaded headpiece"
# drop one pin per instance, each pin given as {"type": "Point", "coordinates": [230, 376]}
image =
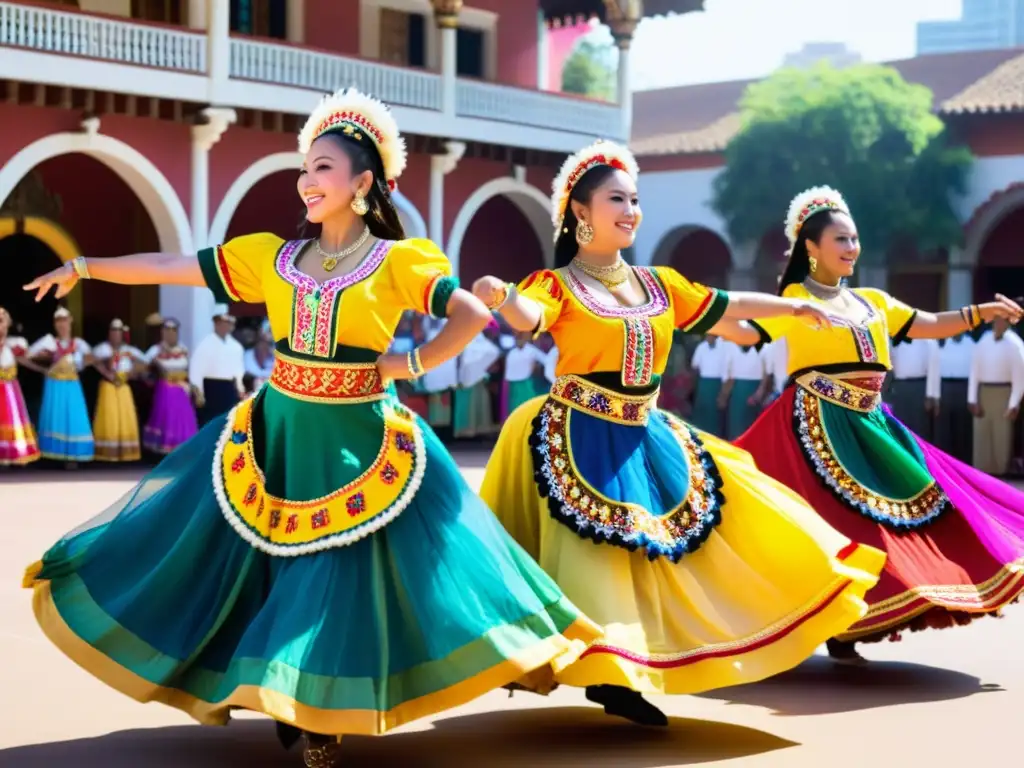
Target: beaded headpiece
{"type": "Point", "coordinates": [808, 203]}
{"type": "Point", "coordinates": [598, 153]}
{"type": "Point", "coordinates": [364, 118]}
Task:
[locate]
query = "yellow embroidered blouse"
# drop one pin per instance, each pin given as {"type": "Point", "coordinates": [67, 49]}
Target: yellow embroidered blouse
{"type": "Point", "coordinates": [358, 309]}
{"type": "Point", "coordinates": [594, 337]}
{"type": "Point", "coordinates": [851, 344]}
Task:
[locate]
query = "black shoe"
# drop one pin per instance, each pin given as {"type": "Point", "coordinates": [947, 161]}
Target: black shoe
{"type": "Point", "coordinates": [288, 735]}
{"type": "Point", "coordinates": [626, 703]}
{"type": "Point", "coordinates": [844, 653]}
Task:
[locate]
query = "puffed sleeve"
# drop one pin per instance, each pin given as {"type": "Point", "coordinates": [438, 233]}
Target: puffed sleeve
{"type": "Point", "coordinates": [102, 351]}
{"type": "Point", "coordinates": [545, 289]}
{"type": "Point", "coordinates": [899, 316]}
{"type": "Point", "coordinates": [422, 276]}
{"type": "Point", "coordinates": [18, 345]}
{"type": "Point", "coordinates": [234, 270]}
{"type": "Point", "coordinates": [774, 328]}
{"type": "Point", "coordinates": [696, 307]}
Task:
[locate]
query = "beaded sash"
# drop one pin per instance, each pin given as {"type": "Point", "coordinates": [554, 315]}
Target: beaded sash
{"type": "Point", "coordinates": [858, 391]}
{"type": "Point", "coordinates": [327, 382]}
{"type": "Point", "coordinates": [577, 392]}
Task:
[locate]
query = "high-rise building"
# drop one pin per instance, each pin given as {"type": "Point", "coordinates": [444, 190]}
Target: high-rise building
{"type": "Point", "coordinates": [983, 25]}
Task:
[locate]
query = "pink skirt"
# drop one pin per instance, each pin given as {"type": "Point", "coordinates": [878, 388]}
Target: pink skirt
{"type": "Point", "coordinates": [172, 420]}
{"type": "Point", "coordinates": [18, 443]}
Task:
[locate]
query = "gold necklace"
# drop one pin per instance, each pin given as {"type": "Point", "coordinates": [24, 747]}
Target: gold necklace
{"type": "Point", "coordinates": [330, 260]}
{"type": "Point", "coordinates": [610, 277]}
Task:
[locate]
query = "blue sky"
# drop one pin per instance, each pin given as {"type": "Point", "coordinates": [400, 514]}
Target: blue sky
{"type": "Point", "coordinates": [736, 39]}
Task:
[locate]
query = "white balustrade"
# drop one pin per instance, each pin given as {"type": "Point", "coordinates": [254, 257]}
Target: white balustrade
{"type": "Point", "coordinates": [97, 37]}
{"type": "Point", "coordinates": [491, 101]}
{"type": "Point", "coordinates": [302, 68]}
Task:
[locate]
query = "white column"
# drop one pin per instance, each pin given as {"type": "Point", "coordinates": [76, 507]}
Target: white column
{"type": "Point", "coordinates": [623, 92]}
{"type": "Point", "coordinates": [296, 21]}
{"type": "Point", "coordinates": [543, 54]}
{"type": "Point", "coordinates": [218, 48]}
{"type": "Point", "coordinates": [197, 13]}
{"type": "Point", "coordinates": [441, 166]}
{"type": "Point", "coordinates": [449, 79]}
{"type": "Point", "coordinates": [193, 307]}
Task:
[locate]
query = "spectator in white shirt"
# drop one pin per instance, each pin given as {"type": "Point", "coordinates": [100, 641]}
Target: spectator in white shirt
{"type": "Point", "coordinates": [217, 368]}
{"type": "Point", "coordinates": [522, 364]}
{"type": "Point", "coordinates": [259, 361]}
{"type": "Point", "coordinates": [775, 358]}
{"type": "Point", "coordinates": [741, 393]}
{"type": "Point", "coordinates": [954, 425]}
{"type": "Point", "coordinates": [994, 391]}
{"type": "Point", "coordinates": [915, 390]}
{"type": "Point", "coordinates": [708, 362]}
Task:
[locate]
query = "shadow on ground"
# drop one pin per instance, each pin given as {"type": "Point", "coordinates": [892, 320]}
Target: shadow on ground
{"type": "Point", "coordinates": [821, 687]}
{"type": "Point", "coordinates": [542, 736]}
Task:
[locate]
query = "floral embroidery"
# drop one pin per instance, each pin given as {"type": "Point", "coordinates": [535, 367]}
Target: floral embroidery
{"type": "Point", "coordinates": [657, 299]}
{"type": "Point", "coordinates": [275, 518]}
{"type": "Point", "coordinates": [250, 495]}
{"type": "Point", "coordinates": [356, 503]}
{"type": "Point", "coordinates": [404, 442]}
{"type": "Point", "coordinates": [292, 525]}
{"type": "Point", "coordinates": [573, 502]}
{"type": "Point", "coordinates": [389, 474]}
{"type": "Point", "coordinates": [238, 437]}
{"type": "Point", "coordinates": [860, 393]}
{"type": "Point", "coordinates": [327, 382]}
{"type": "Point", "coordinates": [638, 352]}
{"type": "Point", "coordinates": [314, 305]}
{"type": "Point", "coordinates": [259, 510]}
{"type": "Point", "coordinates": [603, 403]}
{"type": "Point", "coordinates": [320, 519]}
{"type": "Point", "coordinates": [238, 464]}
{"type": "Point", "coordinates": [899, 514]}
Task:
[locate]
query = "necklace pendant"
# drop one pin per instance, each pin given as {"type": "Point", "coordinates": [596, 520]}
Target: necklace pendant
{"type": "Point", "coordinates": [329, 264]}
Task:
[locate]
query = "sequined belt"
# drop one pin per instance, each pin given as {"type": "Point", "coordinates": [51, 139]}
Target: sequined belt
{"type": "Point", "coordinates": [325, 381]}
{"type": "Point", "coordinates": [63, 371]}
{"type": "Point", "coordinates": [631, 410]}
{"type": "Point", "coordinates": [9, 374]}
{"type": "Point", "coordinates": [857, 390]}
{"type": "Point", "coordinates": [175, 377]}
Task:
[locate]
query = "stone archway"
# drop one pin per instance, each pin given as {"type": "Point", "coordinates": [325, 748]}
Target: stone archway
{"type": "Point", "coordinates": [700, 254]}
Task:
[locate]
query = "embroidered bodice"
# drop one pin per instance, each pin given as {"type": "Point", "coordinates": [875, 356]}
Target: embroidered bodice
{"type": "Point", "coordinates": [121, 360]}
{"type": "Point", "coordinates": [593, 336]}
{"type": "Point", "coordinates": [859, 338]}
{"type": "Point", "coordinates": [358, 309]}
{"type": "Point", "coordinates": [11, 349]}
{"type": "Point", "coordinates": [74, 351]}
{"type": "Point", "coordinates": [168, 359]}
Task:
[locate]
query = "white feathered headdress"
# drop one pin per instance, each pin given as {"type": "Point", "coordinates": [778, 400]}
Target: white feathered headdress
{"type": "Point", "coordinates": [598, 153]}
{"type": "Point", "coordinates": [808, 203]}
{"type": "Point", "coordinates": [358, 115]}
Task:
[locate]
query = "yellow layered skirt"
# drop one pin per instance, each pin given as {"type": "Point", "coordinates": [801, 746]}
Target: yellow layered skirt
{"type": "Point", "coordinates": [116, 424]}
{"type": "Point", "coordinates": [768, 586]}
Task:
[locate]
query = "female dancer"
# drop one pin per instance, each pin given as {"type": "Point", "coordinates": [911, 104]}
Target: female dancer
{"type": "Point", "coordinates": [17, 437]}
{"type": "Point", "coordinates": [708, 573]}
{"type": "Point", "coordinates": [65, 432]}
{"type": "Point", "coordinates": [954, 536]}
{"type": "Point", "coordinates": [339, 575]}
{"type": "Point", "coordinates": [116, 426]}
{"type": "Point", "coordinates": [172, 420]}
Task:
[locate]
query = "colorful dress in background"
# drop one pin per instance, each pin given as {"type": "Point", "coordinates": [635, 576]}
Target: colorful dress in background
{"type": "Point", "coordinates": [703, 572]}
{"type": "Point", "coordinates": [338, 574]}
{"type": "Point", "coordinates": [18, 444]}
{"type": "Point", "coordinates": [709, 363]}
{"type": "Point", "coordinates": [473, 413]}
{"type": "Point", "coordinates": [173, 418]}
{"type": "Point", "coordinates": [65, 431]}
{"type": "Point", "coordinates": [116, 422]}
{"type": "Point", "coordinates": [954, 536]}
{"type": "Point", "coordinates": [520, 383]}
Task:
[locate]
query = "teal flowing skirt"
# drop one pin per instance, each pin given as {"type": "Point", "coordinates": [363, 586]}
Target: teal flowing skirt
{"type": "Point", "coordinates": [706, 415]}
{"type": "Point", "coordinates": [163, 599]}
{"type": "Point", "coordinates": [741, 414]}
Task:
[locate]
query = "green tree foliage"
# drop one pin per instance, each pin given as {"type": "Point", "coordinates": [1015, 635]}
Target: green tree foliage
{"type": "Point", "coordinates": [589, 70]}
{"type": "Point", "coordinates": [863, 130]}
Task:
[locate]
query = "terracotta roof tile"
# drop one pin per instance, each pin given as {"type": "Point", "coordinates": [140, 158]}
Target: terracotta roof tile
{"type": "Point", "coordinates": [1002, 90]}
{"type": "Point", "coordinates": [703, 118]}
{"type": "Point", "coordinates": [556, 10]}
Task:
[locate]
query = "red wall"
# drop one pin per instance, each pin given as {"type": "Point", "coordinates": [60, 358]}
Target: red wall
{"type": "Point", "coordinates": [238, 149]}
{"type": "Point", "coordinates": [500, 242]}
{"type": "Point", "coordinates": [517, 40]}
{"type": "Point", "coordinates": [333, 25]}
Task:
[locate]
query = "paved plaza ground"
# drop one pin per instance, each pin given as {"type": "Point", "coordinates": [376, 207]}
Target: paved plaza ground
{"type": "Point", "coordinates": [947, 698]}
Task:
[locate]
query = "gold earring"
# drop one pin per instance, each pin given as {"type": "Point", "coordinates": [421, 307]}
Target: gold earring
{"type": "Point", "coordinates": [359, 204]}
{"type": "Point", "coordinates": [813, 263]}
{"type": "Point", "coordinates": [584, 233]}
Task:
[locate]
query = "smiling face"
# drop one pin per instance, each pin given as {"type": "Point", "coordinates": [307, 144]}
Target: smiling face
{"type": "Point", "coordinates": [836, 250]}
{"type": "Point", "coordinates": [326, 182]}
{"type": "Point", "coordinates": [613, 211]}
{"type": "Point", "coordinates": [62, 325]}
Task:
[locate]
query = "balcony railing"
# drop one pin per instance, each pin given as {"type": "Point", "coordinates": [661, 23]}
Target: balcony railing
{"type": "Point", "coordinates": [492, 101]}
{"type": "Point", "coordinates": [325, 72]}
{"type": "Point", "coordinates": [99, 37]}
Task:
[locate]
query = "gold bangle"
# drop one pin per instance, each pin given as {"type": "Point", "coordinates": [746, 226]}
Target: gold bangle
{"type": "Point", "coordinates": [80, 267]}
{"type": "Point", "coordinates": [414, 363]}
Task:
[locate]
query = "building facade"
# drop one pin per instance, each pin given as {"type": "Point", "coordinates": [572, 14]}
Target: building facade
{"type": "Point", "coordinates": [983, 25]}
{"type": "Point", "coordinates": [680, 135]}
{"type": "Point", "coordinates": [158, 125]}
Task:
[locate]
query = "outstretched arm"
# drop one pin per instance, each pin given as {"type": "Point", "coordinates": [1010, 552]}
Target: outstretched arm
{"type": "Point", "coordinates": [137, 269]}
{"type": "Point", "coordinates": [520, 312]}
{"type": "Point", "coordinates": [942, 325]}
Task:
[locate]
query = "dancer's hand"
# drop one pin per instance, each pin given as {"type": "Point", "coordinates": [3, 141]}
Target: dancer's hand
{"type": "Point", "coordinates": [812, 314]}
{"type": "Point", "coordinates": [393, 367]}
{"type": "Point", "coordinates": [1012, 414]}
{"type": "Point", "coordinates": [976, 410]}
{"type": "Point", "coordinates": [64, 277]}
{"type": "Point", "coordinates": [1001, 307]}
{"type": "Point", "coordinates": [491, 291]}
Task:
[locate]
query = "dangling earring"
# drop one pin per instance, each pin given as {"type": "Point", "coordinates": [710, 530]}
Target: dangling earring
{"type": "Point", "coordinates": [359, 204]}
{"type": "Point", "coordinates": [813, 263]}
{"type": "Point", "coordinates": [584, 233]}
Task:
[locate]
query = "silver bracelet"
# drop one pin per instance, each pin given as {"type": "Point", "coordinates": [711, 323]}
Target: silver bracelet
{"type": "Point", "coordinates": [80, 267]}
